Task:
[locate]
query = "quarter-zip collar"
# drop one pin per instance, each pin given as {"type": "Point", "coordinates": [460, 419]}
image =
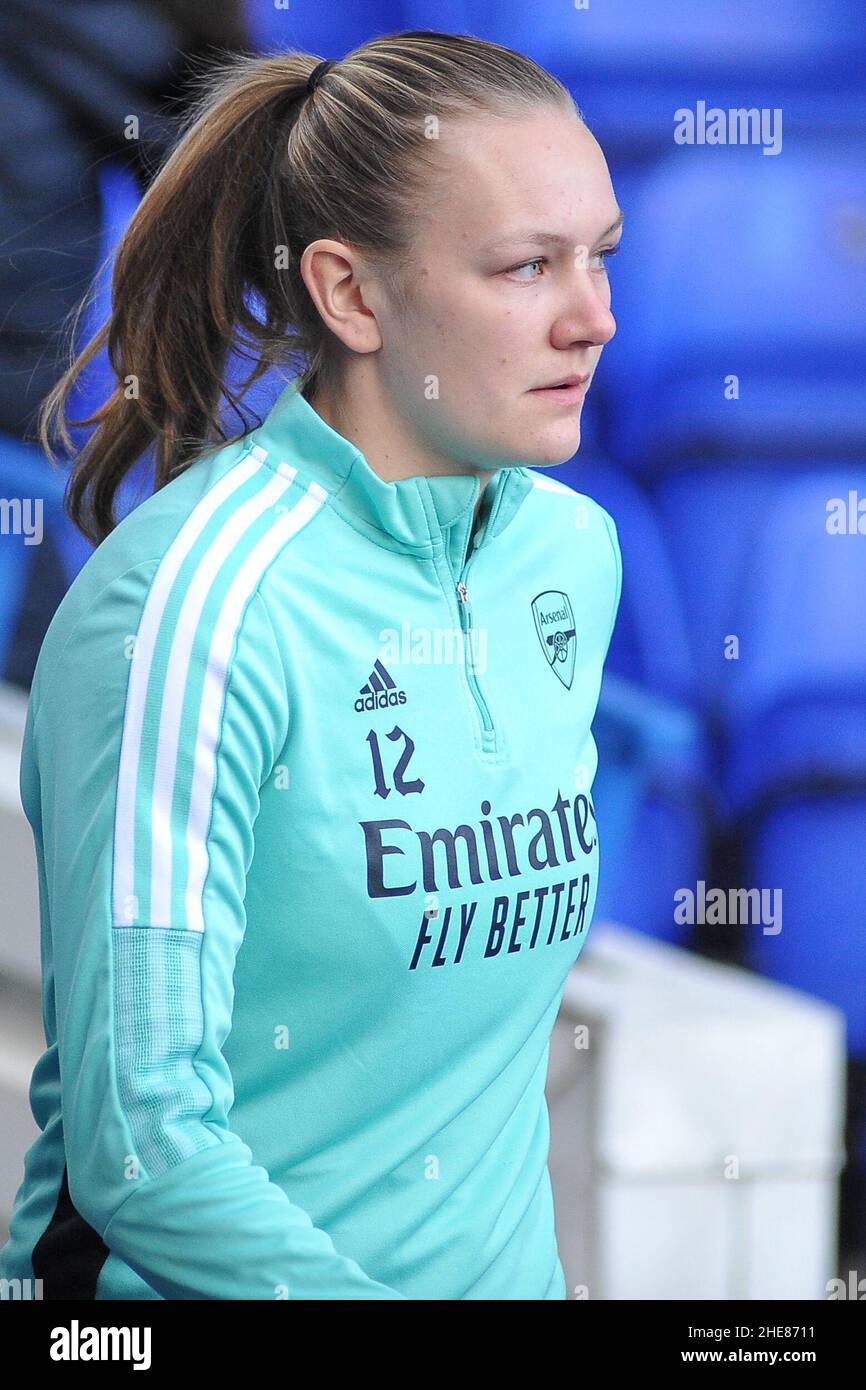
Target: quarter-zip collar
{"type": "Point", "coordinates": [419, 515]}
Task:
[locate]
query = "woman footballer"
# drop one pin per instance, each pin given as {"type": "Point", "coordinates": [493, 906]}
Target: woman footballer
{"type": "Point", "coordinates": [308, 758]}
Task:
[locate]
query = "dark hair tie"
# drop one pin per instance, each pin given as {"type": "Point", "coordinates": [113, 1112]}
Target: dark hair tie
{"type": "Point", "coordinates": [318, 73]}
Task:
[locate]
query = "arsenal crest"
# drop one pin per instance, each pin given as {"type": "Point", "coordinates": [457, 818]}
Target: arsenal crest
{"type": "Point", "coordinates": [554, 623]}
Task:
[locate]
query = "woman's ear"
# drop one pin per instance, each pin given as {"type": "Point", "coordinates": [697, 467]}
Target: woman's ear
{"type": "Point", "coordinates": [344, 293]}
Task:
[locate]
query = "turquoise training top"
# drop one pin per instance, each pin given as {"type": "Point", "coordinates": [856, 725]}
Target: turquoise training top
{"type": "Point", "coordinates": [308, 767]}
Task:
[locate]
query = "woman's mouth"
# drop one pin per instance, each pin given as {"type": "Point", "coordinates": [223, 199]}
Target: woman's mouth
{"type": "Point", "coordinates": [567, 394]}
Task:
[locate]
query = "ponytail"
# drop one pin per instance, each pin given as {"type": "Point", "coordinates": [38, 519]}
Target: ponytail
{"type": "Point", "coordinates": [263, 167]}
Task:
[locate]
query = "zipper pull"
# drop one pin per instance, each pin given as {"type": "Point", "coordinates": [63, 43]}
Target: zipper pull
{"type": "Point", "coordinates": [463, 592]}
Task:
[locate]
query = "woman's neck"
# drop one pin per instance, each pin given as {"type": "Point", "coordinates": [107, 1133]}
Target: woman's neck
{"type": "Point", "coordinates": [386, 447]}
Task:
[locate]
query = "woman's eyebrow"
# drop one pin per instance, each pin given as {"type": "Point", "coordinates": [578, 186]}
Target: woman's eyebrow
{"type": "Point", "coordinates": [544, 238]}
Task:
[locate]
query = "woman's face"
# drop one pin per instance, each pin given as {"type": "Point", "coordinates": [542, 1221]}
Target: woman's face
{"type": "Point", "coordinates": [495, 309]}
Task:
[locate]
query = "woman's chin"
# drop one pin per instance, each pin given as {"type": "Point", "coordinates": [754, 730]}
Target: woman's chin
{"type": "Point", "coordinates": [560, 450]}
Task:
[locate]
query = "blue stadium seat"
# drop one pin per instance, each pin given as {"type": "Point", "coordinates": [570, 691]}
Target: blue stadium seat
{"type": "Point", "coordinates": [798, 703]}
{"type": "Point", "coordinates": [712, 519]}
{"type": "Point", "coordinates": [795, 771]}
{"type": "Point", "coordinates": [654, 805]}
{"type": "Point", "coordinates": [751, 37]}
{"type": "Point", "coordinates": [655, 793]}
{"type": "Point", "coordinates": [630, 66]}
{"type": "Point", "coordinates": [744, 274]}
{"type": "Point", "coordinates": [650, 644]}
{"type": "Point", "coordinates": [810, 847]}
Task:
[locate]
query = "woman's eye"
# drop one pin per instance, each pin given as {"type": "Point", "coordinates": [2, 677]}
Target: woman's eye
{"type": "Point", "coordinates": [539, 260]}
{"type": "Point", "coordinates": [608, 251]}
{"type": "Point", "coordinates": [542, 260]}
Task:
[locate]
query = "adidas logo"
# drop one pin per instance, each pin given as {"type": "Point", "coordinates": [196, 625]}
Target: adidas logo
{"type": "Point", "coordinates": [380, 691]}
